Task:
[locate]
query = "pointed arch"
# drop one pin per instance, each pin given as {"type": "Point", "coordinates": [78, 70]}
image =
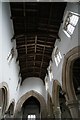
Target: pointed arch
{"type": "Point", "coordinates": [67, 84]}
{"type": "Point", "coordinates": [10, 110]}
{"type": "Point", "coordinates": [35, 94]}
{"type": "Point", "coordinates": [67, 81]}
{"type": "Point", "coordinates": [4, 89]}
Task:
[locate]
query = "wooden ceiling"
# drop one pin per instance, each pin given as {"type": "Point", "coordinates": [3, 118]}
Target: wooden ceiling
{"type": "Point", "coordinates": [36, 26]}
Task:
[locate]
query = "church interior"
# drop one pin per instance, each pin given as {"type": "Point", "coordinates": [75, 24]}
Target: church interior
{"type": "Point", "coordinates": [39, 60]}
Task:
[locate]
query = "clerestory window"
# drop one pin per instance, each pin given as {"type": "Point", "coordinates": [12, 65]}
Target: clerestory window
{"type": "Point", "coordinates": [10, 55]}
{"type": "Point", "coordinates": [57, 56]}
{"type": "Point", "coordinates": [70, 22]}
{"type": "Point", "coordinates": [50, 73]}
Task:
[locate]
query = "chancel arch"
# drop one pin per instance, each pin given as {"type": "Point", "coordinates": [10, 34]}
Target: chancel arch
{"type": "Point", "coordinates": [27, 95]}
{"type": "Point", "coordinates": [31, 108]}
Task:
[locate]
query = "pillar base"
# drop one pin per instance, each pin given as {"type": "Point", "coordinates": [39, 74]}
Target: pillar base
{"type": "Point", "coordinates": [74, 108]}
{"type": "Point", "coordinates": [57, 112]}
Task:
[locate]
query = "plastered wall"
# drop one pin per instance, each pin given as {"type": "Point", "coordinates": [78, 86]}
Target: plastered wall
{"type": "Point", "coordinates": [33, 83]}
{"type": "Point", "coordinates": [9, 71]}
{"type": "Point", "coordinates": [64, 45]}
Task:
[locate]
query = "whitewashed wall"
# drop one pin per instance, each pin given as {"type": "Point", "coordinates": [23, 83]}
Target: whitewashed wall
{"type": "Point", "coordinates": [8, 72]}
{"type": "Point", "coordinates": [65, 45]}
{"type": "Point", "coordinates": [0, 41]}
{"type": "Point", "coordinates": [32, 83]}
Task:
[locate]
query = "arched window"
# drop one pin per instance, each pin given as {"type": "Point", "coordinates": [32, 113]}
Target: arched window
{"type": "Point", "coordinates": [57, 56]}
{"type": "Point", "coordinates": [46, 83]}
{"type": "Point", "coordinates": [50, 71]}
{"type": "Point", "coordinates": [10, 111]}
{"type": "Point", "coordinates": [3, 100]}
{"type": "Point", "coordinates": [70, 22]}
{"type": "Point", "coordinates": [10, 55]}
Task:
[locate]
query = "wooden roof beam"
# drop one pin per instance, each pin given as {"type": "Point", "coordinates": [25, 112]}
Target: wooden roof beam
{"type": "Point", "coordinates": [37, 61]}
{"type": "Point", "coordinates": [33, 44]}
{"type": "Point", "coordinates": [49, 30]}
{"type": "Point", "coordinates": [45, 40]}
{"type": "Point", "coordinates": [50, 25]}
{"type": "Point", "coordinates": [27, 73]}
{"type": "Point", "coordinates": [26, 10]}
{"type": "Point", "coordinates": [37, 54]}
{"type": "Point", "coordinates": [32, 67]}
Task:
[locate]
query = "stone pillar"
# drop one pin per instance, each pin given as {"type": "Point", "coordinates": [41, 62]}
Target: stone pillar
{"type": "Point", "coordinates": [57, 112]}
{"type": "Point", "coordinates": [74, 108]}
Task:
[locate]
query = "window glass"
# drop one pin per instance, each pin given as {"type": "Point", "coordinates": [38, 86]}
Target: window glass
{"type": "Point", "coordinates": [57, 58]}
{"type": "Point", "coordinates": [70, 23]}
{"type": "Point", "coordinates": [74, 19]}
{"type": "Point", "coordinates": [31, 117]}
{"type": "Point", "coordinates": [70, 29]}
{"type": "Point", "coordinates": [60, 55]}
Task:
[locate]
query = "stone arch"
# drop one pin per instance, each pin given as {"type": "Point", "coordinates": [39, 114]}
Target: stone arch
{"type": "Point", "coordinates": [10, 110]}
{"type": "Point", "coordinates": [67, 83]}
{"type": "Point", "coordinates": [35, 94]}
{"type": "Point", "coordinates": [31, 107]}
{"type": "Point", "coordinates": [4, 97]}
